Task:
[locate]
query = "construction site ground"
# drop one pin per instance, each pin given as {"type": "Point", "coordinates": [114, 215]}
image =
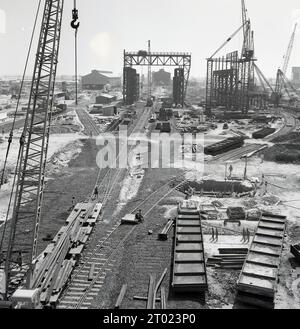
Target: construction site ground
{"type": "Point", "coordinates": [142, 253]}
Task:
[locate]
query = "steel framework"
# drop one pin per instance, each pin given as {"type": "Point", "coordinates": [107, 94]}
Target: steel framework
{"type": "Point", "coordinates": [143, 58]}
{"type": "Point", "coordinates": [230, 79]}
{"type": "Point", "coordinates": [27, 203]}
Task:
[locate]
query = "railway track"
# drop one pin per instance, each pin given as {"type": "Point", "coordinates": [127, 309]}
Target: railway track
{"type": "Point", "coordinates": [88, 123]}
{"type": "Point", "coordinates": [80, 291]}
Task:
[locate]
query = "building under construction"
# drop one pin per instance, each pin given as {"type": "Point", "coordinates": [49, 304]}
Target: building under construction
{"type": "Point", "coordinates": [230, 79]}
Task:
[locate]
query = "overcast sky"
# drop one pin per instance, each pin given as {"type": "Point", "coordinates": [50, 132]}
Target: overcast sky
{"type": "Point", "coordinates": [108, 27]}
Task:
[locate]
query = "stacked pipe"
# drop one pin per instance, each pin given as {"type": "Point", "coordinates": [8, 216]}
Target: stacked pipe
{"type": "Point", "coordinates": [230, 259]}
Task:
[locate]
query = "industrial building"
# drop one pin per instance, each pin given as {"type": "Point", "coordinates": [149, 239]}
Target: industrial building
{"type": "Point", "coordinates": [105, 99]}
{"type": "Point", "coordinates": [96, 80]}
{"type": "Point", "coordinates": [106, 111]}
{"type": "Point", "coordinates": [161, 78]}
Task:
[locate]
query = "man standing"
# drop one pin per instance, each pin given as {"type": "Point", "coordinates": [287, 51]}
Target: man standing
{"type": "Point", "coordinates": [96, 193]}
{"type": "Point", "coordinates": [217, 235]}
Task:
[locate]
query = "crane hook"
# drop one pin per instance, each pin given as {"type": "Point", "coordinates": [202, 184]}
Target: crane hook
{"type": "Point", "coordinates": [75, 25]}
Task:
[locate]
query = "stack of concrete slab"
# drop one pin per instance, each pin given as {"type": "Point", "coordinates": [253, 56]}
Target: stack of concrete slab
{"type": "Point", "coordinates": [189, 270]}
{"type": "Point", "coordinates": [259, 277]}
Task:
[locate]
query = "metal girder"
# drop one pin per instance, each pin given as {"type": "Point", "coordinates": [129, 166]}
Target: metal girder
{"type": "Point", "coordinates": [182, 60]}
{"type": "Point", "coordinates": [229, 81]}
{"type": "Point", "coordinates": [27, 203]}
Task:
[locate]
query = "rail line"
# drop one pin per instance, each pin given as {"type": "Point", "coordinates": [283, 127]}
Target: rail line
{"type": "Point", "coordinates": [108, 181]}
{"type": "Point", "coordinates": [83, 298]}
{"type": "Point", "coordinates": [87, 122]}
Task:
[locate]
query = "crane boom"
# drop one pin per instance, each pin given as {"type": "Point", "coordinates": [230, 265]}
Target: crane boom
{"type": "Point", "coordinates": [33, 148]}
{"type": "Point", "coordinates": [263, 77]}
{"type": "Point", "coordinates": [281, 73]}
{"type": "Point", "coordinates": [289, 51]}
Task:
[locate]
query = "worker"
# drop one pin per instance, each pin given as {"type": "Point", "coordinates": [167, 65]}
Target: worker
{"type": "Point", "coordinates": [217, 235]}
{"type": "Point", "coordinates": [73, 201]}
{"type": "Point", "coordinates": [248, 235]}
{"type": "Point", "coordinates": [212, 234]}
{"type": "Point", "coordinates": [1, 257]}
{"type": "Point", "coordinates": [96, 193]}
{"type": "Point", "coordinates": [19, 259]}
{"type": "Point", "coordinates": [139, 217]}
{"type": "Point", "coordinates": [244, 238]}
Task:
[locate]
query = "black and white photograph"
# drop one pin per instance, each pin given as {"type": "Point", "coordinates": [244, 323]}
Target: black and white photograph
{"type": "Point", "coordinates": [149, 157]}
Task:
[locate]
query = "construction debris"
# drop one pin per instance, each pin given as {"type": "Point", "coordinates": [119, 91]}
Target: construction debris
{"type": "Point", "coordinates": [157, 287]}
{"type": "Point", "coordinates": [163, 235]}
{"type": "Point", "coordinates": [121, 296]}
{"type": "Point", "coordinates": [235, 214]}
{"type": "Point", "coordinates": [151, 291]}
{"type": "Point", "coordinates": [295, 250]}
{"type": "Point", "coordinates": [163, 298]}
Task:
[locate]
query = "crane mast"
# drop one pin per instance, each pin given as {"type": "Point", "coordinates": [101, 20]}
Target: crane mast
{"type": "Point", "coordinates": [27, 203]}
{"type": "Point", "coordinates": [248, 44]}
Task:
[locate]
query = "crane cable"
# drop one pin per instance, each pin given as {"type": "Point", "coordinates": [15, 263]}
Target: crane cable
{"type": "Point", "coordinates": [13, 126]}
{"type": "Point", "coordinates": [75, 25]}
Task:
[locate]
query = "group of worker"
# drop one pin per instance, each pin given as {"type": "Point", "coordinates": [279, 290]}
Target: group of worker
{"type": "Point", "coordinates": [214, 235]}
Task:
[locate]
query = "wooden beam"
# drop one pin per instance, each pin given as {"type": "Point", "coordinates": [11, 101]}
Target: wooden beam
{"type": "Point", "coordinates": [163, 298]}
{"type": "Point", "coordinates": [157, 287]}
{"type": "Point", "coordinates": [144, 298]}
{"type": "Point", "coordinates": [121, 296]}
{"type": "Point", "coordinates": [151, 291]}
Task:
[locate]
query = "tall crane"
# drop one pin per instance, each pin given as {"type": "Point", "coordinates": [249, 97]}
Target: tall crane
{"type": "Point", "coordinates": [248, 42]}
{"type": "Point", "coordinates": [289, 51]}
{"type": "Point", "coordinates": [33, 148]}
{"type": "Point", "coordinates": [282, 72]}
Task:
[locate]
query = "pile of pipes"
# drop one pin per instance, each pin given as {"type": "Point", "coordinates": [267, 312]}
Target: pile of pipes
{"type": "Point", "coordinates": [236, 213]}
{"type": "Point", "coordinates": [55, 265]}
{"type": "Point", "coordinates": [228, 258]}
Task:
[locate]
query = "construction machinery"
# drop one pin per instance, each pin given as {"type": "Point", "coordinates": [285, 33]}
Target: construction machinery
{"type": "Point", "coordinates": [21, 233]}
{"type": "Point", "coordinates": [281, 79]}
{"type": "Point", "coordinates": [231, 78]}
